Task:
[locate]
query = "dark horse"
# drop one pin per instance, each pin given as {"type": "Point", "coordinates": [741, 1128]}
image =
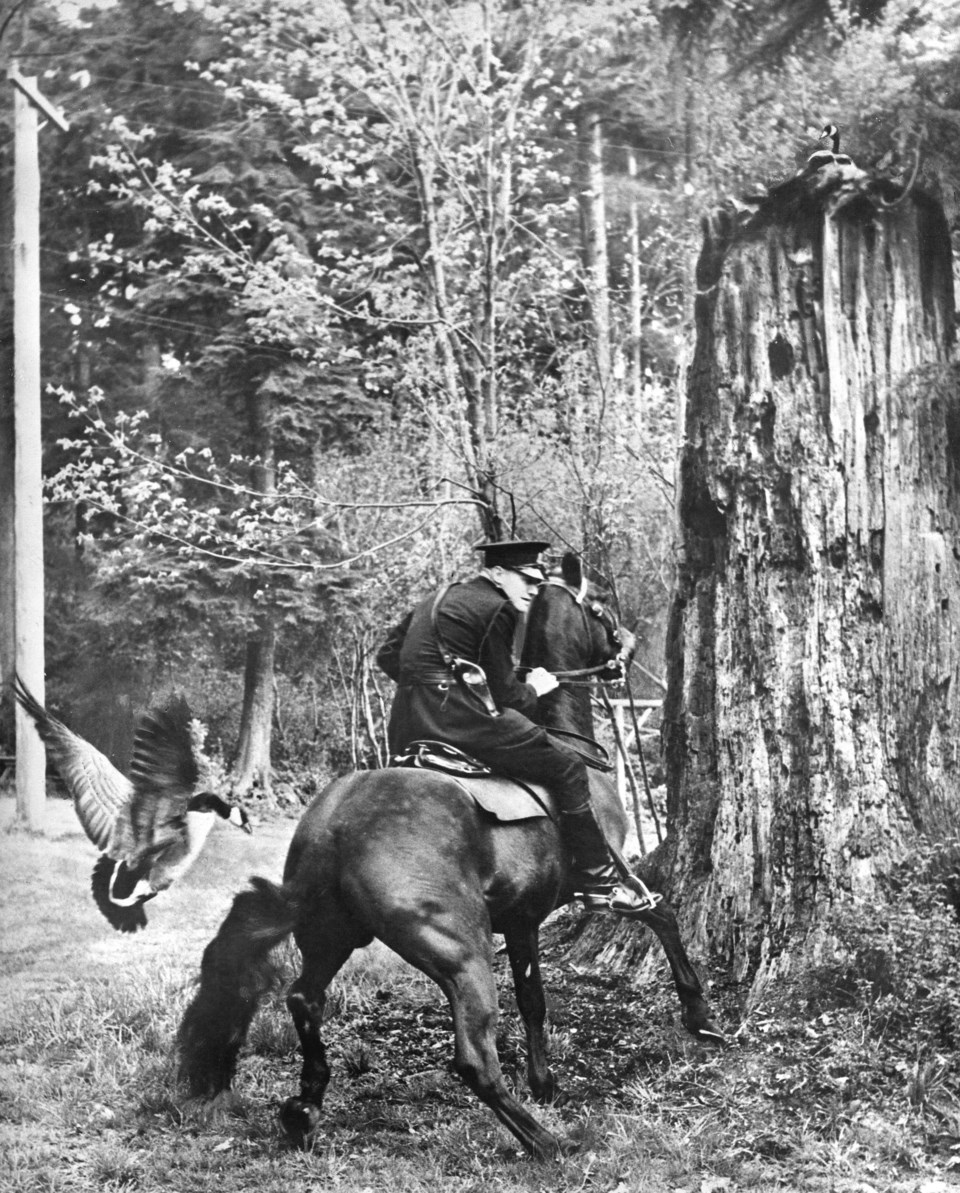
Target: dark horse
{"type": "Point", "coordinates": [404, 855]}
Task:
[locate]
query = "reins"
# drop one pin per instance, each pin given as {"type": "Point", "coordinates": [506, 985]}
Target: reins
{"type": "Point", "coordinates": [600, 760]}
{"type": "Point", "coordinates": [569, 675]}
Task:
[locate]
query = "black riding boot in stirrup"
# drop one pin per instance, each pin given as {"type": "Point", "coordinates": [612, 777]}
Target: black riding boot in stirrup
{"type": "Point", "coordinates": [594, 874]}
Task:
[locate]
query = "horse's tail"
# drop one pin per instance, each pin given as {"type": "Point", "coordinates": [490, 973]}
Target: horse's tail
{"type": "Point", "coordinates": [237, 970]}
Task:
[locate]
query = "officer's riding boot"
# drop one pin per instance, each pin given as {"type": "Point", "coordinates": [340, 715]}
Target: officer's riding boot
{"type": "Point", "coordinates": [594, 874]}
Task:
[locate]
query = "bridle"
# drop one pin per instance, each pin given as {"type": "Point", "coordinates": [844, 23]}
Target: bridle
{"type": "Point", "coordinates": [598, 610]}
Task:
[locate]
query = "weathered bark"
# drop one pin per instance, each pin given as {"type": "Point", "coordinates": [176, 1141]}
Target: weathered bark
{"type": "Point", "coordinates": [813, 712]}
{"type": "Point", "coordinates": [812, 721]}
{"type": "Point", "coordinates": [252, 763]}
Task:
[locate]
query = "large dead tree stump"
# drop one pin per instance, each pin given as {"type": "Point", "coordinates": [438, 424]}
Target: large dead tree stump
{"type": "Point", "coordinates": [812, 725]}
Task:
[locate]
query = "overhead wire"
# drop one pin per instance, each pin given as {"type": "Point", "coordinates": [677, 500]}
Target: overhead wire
{"type": "Point", "coordinates": [176, 88]}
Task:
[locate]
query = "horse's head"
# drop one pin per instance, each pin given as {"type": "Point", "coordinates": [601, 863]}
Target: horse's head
{"type": "Point", "coordinates": [571, 626]}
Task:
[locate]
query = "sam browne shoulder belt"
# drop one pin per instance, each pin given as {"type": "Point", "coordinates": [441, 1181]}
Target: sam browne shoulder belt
{"type": "Point", "coordinates": [471, 676]}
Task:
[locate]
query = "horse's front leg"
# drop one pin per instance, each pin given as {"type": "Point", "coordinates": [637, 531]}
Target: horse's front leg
{"type": "Point", "coordinates": [696, 1011]}
{"type": "Point", "coordinates": [299, 1116]}
{"type": "Point", "coordinates": [523, 950]}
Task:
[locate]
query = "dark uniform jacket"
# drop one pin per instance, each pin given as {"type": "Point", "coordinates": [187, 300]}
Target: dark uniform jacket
{"type": "Point", "coordinates": [476, 623]}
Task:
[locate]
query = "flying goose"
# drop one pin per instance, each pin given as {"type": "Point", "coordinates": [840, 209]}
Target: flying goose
{"type": "Point", "coordinates": [151, 826]}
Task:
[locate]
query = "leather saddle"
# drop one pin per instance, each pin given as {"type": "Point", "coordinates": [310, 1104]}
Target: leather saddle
{"type": "Point", "coordinates": [504, 799]}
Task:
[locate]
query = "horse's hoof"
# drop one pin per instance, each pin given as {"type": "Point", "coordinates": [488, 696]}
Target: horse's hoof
{"type": "Point", "coordinates": [210, 1110]}
{"type": "Point", "coordinates": [707, 1031]}
{"type": "Point", "coordinates": [551, 1095]}
{"type": "Point", "coordinates": [548, 1093]}
{"type": "Point", "coordinates": [299, 1119]}
{"type": "Point", "coordinates": [697, 1021]}
{"type": "Point", "coordinates": [711, 1034]}
{"type": "Point", "coordinates": [551, 1147]}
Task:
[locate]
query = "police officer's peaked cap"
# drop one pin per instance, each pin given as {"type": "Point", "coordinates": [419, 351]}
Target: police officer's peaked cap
{"type": "Point", "coordinates": [523, 557]}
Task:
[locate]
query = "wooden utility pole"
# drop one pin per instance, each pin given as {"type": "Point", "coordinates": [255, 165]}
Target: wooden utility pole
{"type": "Point", "coordinates": [28, 481]}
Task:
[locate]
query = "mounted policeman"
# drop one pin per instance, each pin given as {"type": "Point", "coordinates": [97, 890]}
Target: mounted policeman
{"type": "Point", "coordinates": [453, 659]}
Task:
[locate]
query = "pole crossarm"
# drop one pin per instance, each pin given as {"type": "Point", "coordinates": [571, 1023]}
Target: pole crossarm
{"type": "Point", "coordinates": [28, 87]}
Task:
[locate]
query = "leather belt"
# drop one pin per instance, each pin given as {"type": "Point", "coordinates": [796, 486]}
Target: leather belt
{"type": "Point", "coordinates": [425, 679]}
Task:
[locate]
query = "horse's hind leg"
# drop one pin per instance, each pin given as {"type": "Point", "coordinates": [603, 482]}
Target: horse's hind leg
{"type": "Point", "coordinates": [322, 958]}
{"type": "Point", "coordinates": [523, 950]}
{"type": "Point", "coordinates": [696, 1012]}
{"type": "Point", "coordinates": [458, 955]}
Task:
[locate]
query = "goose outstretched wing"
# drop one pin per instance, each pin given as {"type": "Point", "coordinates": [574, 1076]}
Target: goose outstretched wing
{"type": "Point", "coordinates": [101, 794]}
{"type": "Point", "coordinates": [163, 775]}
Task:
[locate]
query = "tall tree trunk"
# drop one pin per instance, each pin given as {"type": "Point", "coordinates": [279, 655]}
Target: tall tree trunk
{"type": "Point", "coordinates": [461, 380]}
{"type": "Point", "coordinates": [638, 416]}
{"type": "Point", "coordinates": [687, 183]}
{"type": "Point", "coordinates": [593, 225]}
{"type": "Point", "coordinates": [251, 764]}
{"type": "Point", "coordinates": [813, 708]}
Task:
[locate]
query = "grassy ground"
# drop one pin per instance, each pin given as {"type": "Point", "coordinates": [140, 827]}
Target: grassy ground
{"type": "Point", "coordinates": [88, 1100]}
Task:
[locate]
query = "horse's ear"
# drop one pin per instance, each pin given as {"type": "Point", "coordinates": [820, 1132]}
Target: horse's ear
{"type": "Point", "coordinates": [571, 568]}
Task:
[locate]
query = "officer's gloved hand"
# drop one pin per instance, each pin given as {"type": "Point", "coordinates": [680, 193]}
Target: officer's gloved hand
{"type": "Point", "coordinates": [542, 681]}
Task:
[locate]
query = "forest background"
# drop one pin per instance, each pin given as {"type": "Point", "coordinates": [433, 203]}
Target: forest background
{"type": "Point", "coordinates": [332, 291]}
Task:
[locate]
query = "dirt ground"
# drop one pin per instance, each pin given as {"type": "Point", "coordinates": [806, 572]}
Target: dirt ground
{"type": "Point", "coordinates": [51, 933]}
{"type": "Point", "coordinates": [770, 1108]}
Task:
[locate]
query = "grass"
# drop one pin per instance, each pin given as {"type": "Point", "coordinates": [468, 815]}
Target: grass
{"type": "Point", "coordinates": [88, 1099]}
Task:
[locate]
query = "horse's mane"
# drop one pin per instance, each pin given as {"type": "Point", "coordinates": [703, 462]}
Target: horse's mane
{"type": "Point", "coordinates": [594, 590]}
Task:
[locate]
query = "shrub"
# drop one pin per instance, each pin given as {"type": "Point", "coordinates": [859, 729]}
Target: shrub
{"type": "Point", "coordinates": [896, 960]}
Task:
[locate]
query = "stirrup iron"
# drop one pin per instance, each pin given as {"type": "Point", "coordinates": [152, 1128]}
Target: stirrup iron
{"type": "Point", "coordinates": [633, 897]}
